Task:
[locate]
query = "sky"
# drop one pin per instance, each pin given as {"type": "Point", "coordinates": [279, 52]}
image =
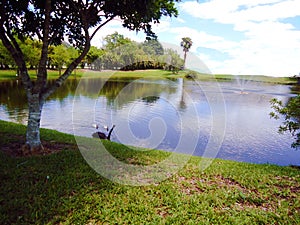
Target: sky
{"type": "Point", "coordinates": [240, 37]}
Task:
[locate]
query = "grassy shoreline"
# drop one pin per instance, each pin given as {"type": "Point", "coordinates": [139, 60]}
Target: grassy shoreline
{"type": "Point", "coordinates": [61, 188]}
{"type": "Point", "coordinates": [83, 73]}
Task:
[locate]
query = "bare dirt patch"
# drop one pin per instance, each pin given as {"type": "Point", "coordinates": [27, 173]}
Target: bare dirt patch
{"type": "Point", "coordinates": [13, 147]}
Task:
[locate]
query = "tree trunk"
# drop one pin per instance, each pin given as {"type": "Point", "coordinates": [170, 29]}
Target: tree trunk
{"type": "Point", "coordinates": [184, 59]}
{"type": "Point", "coordinates": [33, 142]}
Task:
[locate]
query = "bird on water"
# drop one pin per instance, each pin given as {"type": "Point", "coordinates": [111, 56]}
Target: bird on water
{"type": "Point", "coordinates": [102, 135]}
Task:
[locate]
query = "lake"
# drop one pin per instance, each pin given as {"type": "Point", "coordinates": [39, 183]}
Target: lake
{"type": "Point", "coordinates": [228, 120]}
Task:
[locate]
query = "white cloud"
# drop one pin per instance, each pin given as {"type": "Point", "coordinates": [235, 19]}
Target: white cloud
{"type": "Point", "coordinates": [261, 55]}
{"type": "Point", "coordinates": [235, 11]}
{"type": "Point", "coordinates": [163, 26]}
{"type": "Point", "coordinates": [202, 39]}
{"type": "Point", "coordinates": [270, 46]}
{"type": "Point", "coordinates": [283, 9]}
{"type": "Point", "coordinates": [180, 20]}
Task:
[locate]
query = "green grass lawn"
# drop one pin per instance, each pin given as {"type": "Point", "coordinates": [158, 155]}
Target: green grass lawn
{"type": "Point", "coordinates": [61, 188]}
{"type": "Point", "coordinates": [53, 74]}
{"type": "Point", "coordinates": [80, 73]}
{"type": "Point", "coordinates": [258, 78]}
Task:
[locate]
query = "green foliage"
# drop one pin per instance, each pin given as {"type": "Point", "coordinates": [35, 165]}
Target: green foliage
{"type": "Point", "coordinates": [115, 40]}
{"type": "Point", "coordinates": [32, 51]}
{"type": "Point", "coordinates": [172, 60]}
{"type": "Point", "coordinates": [122, 53]}
{"type": "Point", "coordinates": [291, 114]}
{"type": "Point", "coordinates": [5, 57]}
{"type": "Point", "coordinates": [153, 47]}
{"type": "Point", "coordinates": [69, 18]}
{"type": "Point", "coordinates": [191, 75]}
{"type": "Point", "coordinates": [118, 52]}
{"type": "Point", "coordinates": [94, 58]}
{"type": "Point", "coordinates": [62, 55]}
{"type": "Point", "coordinates": [59, 56]}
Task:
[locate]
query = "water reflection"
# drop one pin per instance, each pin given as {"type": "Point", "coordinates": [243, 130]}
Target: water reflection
{"type": "Point", "coordinates": [13, 100]}
{"type": "Point", "coordinates": [172, 108]}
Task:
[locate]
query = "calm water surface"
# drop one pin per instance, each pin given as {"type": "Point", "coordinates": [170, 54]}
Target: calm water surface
{"type": "Point", "coordinates": [229, 120]}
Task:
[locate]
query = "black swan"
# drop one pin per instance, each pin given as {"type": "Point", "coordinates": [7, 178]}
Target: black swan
{"type": "Point", "coordinates": [103, 135]}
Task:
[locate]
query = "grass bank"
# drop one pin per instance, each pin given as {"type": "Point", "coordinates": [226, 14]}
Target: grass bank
{"type": "Point", "coordinates": [242, 78]}
{"type": "Point", "coordinates": [61, 188]}
{"type": "Point", "coordinates": [258, 78]}
{"type": "Point", "coordinates": [53, 74]}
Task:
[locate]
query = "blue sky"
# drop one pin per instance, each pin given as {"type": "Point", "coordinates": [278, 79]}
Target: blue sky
{"type": "Point", "coordinates": [258, 37]}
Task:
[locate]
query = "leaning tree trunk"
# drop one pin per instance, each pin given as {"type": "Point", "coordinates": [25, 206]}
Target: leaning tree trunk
{"type": "Point", "coordinates": [33, 142]}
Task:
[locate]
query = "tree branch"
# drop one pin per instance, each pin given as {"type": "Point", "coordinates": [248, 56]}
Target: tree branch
{"type": "Point", "coordinates": [12, 46]}
{"type": "Point", "coordinates": [42, 71]}
{"type": "Point", "coordinates": [14, 49]}
{"type": "Point", "coordinates": [38, 34]}
{"type": "Point", "coordinates": [70, 68]}
{"type": "Point", "coordinates": [101, 25]}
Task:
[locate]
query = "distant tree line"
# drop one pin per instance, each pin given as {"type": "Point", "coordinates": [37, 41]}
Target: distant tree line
{"type": "Point", "coordinates": [117, 53]}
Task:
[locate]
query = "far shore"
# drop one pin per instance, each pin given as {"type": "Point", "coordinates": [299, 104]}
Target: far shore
{"type": "Point", "coordinates": [117, 74]}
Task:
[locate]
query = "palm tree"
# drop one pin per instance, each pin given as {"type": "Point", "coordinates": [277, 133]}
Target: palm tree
{"type": "Point", "coordinates": [186, 43]}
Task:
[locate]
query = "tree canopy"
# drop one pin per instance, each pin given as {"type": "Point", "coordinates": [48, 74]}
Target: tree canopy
{"type": "Point", "coordinates": [117, 52]}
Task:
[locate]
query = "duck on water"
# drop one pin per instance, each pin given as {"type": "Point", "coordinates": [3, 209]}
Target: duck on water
{"type": "Point", "coordinates": [102, 135]}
